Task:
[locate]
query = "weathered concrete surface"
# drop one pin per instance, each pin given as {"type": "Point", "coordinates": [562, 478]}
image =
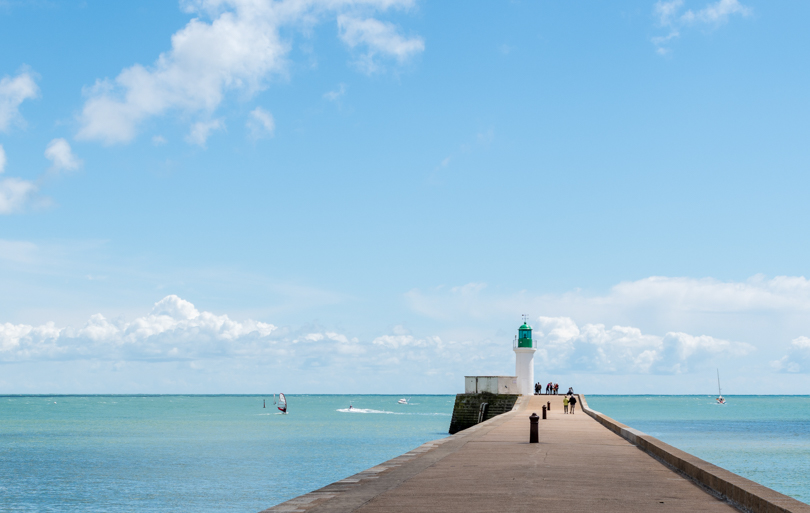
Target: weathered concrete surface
{"type": "Point", "coordinates": [744, 493]}
{"type": "Point", "coordinates": [577, 466]}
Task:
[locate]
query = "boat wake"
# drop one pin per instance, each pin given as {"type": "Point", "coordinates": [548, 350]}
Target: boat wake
{"type": "Point", "coordinates": [384, 412]}
{"type": "Point", "coordinates": [365, 410]}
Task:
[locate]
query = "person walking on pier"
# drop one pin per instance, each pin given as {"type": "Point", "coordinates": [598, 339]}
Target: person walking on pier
{"type": "Point", "coordinates": [565, 404]}
{"type": "Point", "coordinates": [572, 402]}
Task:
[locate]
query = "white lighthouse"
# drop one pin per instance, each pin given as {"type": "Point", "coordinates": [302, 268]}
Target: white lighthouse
{"type": "Point", "coordinates": [524, 359]}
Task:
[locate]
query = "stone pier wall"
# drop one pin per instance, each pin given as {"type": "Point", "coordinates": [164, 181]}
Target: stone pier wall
{"type": "Point", "coordinates": [467, 409]}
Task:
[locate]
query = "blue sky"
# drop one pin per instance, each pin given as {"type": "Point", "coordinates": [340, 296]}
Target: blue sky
{"type": "Point", "coordinates": [219, 196]}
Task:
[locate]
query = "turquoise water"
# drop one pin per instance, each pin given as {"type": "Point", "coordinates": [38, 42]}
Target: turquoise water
{"type": "Point", "coordinates": [227, 453]}
{"type": "Point", "coordinates": [765, 439]}
{"type": "Point", "coordinates": [196, 453]}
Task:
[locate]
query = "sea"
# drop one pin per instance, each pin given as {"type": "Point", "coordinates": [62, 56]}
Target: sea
{"type": "Point", "coordinates": [237, 453]}
{"type": "Point", "coordinates": [763, 438]}
{"type": "Point", "coordinates": [173, 453]}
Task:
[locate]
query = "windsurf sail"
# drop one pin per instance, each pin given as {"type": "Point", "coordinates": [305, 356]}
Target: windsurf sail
{"type": "Point", "coordinates": [719, 390]}
{"type": "Point", "coordinates": [282, 403]}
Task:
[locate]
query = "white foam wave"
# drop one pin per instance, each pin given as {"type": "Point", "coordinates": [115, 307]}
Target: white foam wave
{"type": "Point", "coordinates": [366, 410]}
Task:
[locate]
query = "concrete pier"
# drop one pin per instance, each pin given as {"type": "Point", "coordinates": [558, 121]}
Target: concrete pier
{"type": "Point", "coordinates": [581, 464]}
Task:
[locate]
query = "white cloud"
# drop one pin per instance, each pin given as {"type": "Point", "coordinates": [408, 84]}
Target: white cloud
{"type": "Point", "coordinates": [201, 130]}
{"type": "Point", "coordinates": [173, 330]}
{"type": "Point", "coordinates": [240, 48]}
{"type": "Point", "coordinates": [716, 13]}
{"type": "Point", "coordinates": [709, 295]}
{"type": "Point", "coordinates": [61, 156]}
{"type": "Point", "coordinates": [14, 91]}
{"type": "Point", "coordinates": [656, 296]}
{"type": "Point", "coordinates": [661, 41]}
{"type": "Point", "coordinates": [379, 38]}
{"type": "Point", "coordinates": [15, 194]}
{"type": "Point", "coordinates": [668, 15]}
{"type": "Point", "coordinates": [667, 11]}
{"type": "Point", "coordinates": [798, 357]}
{"type": "Point", "coordinates": [314, 358]}
{"type": "Point", "coordinates": [564, 346]}
{"type": "Point", "coordinates": [336, 94]}
{"type": "Point", "coordinates": [261, 123]}
{"type": "Point", "coordinates": [159, 140]}
{"type": "Point", "coordinates": [402, 341]}
{"type": "Point", "coordinates": [763, 312]}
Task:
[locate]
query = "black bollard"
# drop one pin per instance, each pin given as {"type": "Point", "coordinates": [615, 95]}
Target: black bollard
{"type": "Point", "coordinates": [533, 439]}
{"type": "Point", "coordinates": [549, 406]}
{"type": "Point", "coordinates": [544, 412]}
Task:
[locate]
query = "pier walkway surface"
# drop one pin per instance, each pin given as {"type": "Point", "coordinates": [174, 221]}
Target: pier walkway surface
{"type": "Point", "coordinates": [579, 465]}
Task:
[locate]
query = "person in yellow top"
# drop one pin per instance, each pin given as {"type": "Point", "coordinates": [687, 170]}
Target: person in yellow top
{"type": "Point", "coordinates": [565, 404]}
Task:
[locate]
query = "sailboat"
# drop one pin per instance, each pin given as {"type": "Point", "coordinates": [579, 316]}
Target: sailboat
{"type": "Point", "coordinates": [719, 399]}
{"type": "Point", "coordinates": [282, 403]}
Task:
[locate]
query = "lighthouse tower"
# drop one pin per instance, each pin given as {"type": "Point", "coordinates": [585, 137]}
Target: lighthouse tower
{"type": "Point", "coordinates": [524, 359]}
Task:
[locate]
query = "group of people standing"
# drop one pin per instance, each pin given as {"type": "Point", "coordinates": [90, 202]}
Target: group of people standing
{"type": "Point", "coordinates": [551, 389]}
{"type": "Point", "coordinates": [569, 401]}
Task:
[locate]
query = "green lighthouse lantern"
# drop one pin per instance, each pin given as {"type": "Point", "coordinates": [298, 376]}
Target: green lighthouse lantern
{"type": "Point", "coordinates": [525, 335]}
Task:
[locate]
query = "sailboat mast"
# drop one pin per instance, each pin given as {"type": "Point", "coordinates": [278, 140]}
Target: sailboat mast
{"type": "Point", "coordinates": [719, 390]}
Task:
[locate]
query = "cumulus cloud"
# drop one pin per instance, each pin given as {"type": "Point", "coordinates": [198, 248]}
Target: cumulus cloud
{"type": "Point", "coordinates": [261, 123]}
{"type": "Point", "coordinates": [61, 156]}
{"type": "Point", "coordinates": [176, 330]}
{"type": "Point", "coordinates": [201, 131]}
{"type": "Point", "coordinates": [797, 359]}
{"type": "Point", "coordinates": [331, 344]}
{"type": "Point", "coordinates": [565, 346]}
{"type": "Point", "coordinates": [14, 91]}
{"type": "Point", "coordinates": [378, 38]}
{"type": "Point", "coordinates": [231, 45]}
{"type": "Point", "coordinates": [668, 15]}
{"type": "Point", "coordinates": [764, 312]}
{"type": "Point", "coordinates": [173, 330]}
